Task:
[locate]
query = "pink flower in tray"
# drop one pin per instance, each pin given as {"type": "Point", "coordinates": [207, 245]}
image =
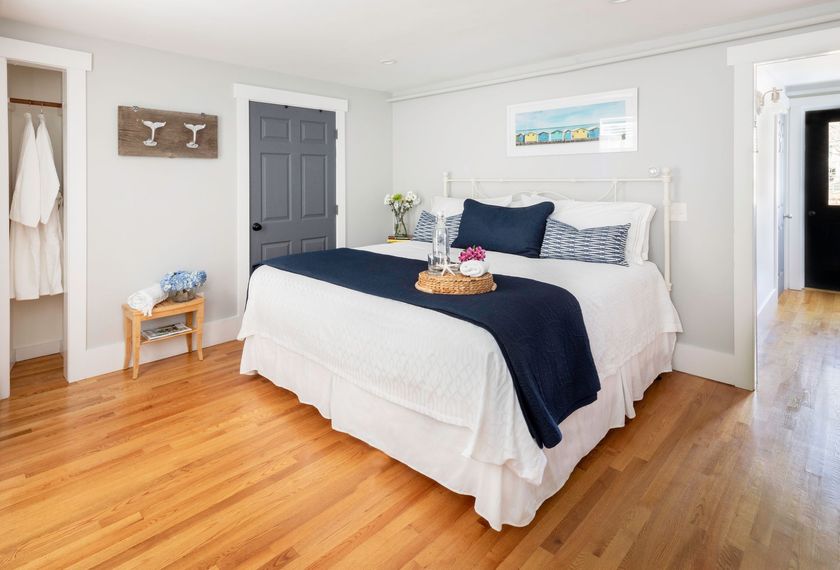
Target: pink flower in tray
{"type": "Point", "coordinates": [475, 252]}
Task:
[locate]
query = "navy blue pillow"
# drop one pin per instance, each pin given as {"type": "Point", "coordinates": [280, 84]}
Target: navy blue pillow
{"type": "Point", "coordinates": [509, 230]}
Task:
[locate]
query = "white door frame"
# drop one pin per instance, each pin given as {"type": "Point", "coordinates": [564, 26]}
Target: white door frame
{"type": "Point", "coordinates": [74, 65]}
{"type": "Point", "coordinates": [743, 59]}
{"type": "Point", "coordinates": [795, 252]}
{"type": "Point", "coordinates": [244, 94]}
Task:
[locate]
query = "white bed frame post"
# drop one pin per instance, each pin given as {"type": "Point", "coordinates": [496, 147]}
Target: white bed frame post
{"type": "Point", "coordinates": [663, 176]}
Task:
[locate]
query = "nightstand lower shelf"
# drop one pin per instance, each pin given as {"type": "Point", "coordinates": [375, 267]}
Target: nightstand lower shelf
{"type": "Point", "coordinates": [144, 340]}
{"type": "Point", "coordinates": [193, 312]}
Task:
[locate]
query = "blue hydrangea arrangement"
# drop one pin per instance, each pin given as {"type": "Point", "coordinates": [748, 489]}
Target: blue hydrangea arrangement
{"type": "Point", "coordinates": [182, 284]}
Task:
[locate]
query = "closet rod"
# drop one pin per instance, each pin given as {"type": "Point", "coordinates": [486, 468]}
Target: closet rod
{"type": "Point", "coordinates": [35, 102]}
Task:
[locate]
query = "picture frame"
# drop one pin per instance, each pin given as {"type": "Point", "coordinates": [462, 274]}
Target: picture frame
{"type": "Point", "coordinates": [582, 124]}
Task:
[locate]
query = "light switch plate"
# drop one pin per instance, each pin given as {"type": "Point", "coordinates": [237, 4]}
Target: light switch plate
{"type": "Point", "coordinates": [679, 212]}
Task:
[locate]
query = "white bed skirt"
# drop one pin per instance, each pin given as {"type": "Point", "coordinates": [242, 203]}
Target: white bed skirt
{"type": "Point", "coordinates": [435, 448]}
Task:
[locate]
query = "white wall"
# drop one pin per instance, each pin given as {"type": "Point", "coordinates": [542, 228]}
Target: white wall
{"type": "Point", "coordinates": [36, 325]}
{"type": "Point", "coordinates": [685, 122]}
{"type": "Point", "coordinates": [147, 216]}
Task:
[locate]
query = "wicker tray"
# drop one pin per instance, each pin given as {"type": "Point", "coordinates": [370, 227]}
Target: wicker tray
{"type": "Point", "coordinates": [455, 284]}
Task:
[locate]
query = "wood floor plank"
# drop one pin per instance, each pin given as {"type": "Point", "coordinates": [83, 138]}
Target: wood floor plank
{"type": "Point", "coordinates": [193, 465]}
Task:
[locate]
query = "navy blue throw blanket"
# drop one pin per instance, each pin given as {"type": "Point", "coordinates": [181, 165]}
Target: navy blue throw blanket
{"type": "Point", "coordinates": [539, 327]}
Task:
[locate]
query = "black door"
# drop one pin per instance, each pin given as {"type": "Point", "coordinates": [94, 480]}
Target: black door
{"type": "Point", "coordinates": [292, 170]}
{"type": "Point", "coordinates": [822, 199]}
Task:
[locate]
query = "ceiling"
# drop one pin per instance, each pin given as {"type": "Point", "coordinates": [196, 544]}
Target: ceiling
{"type": "Point", "coordinates": [344, 40]}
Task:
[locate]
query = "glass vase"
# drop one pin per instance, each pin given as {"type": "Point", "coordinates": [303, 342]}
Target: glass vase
{"type": "Point", "coordinates": [400, 231]}
{"type": "Point", "coordinates": [182, 296]}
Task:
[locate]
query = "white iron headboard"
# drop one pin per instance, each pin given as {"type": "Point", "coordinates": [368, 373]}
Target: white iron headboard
{"type": "Point", "coordinates": [664, 177]}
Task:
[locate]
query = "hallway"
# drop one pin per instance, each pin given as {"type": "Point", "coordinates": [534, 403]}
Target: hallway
{"type": "Point", "coordinates": [801, 346]}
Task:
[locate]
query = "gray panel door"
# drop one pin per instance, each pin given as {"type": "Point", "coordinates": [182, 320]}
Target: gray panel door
{"type": "Point", "coordinates": [292, 180]}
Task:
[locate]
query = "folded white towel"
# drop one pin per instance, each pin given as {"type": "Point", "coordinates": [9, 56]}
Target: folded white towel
{"type": "Point", "coordinates": [474, 268]}
{"type": "Point", "coordinates": [145, 299]}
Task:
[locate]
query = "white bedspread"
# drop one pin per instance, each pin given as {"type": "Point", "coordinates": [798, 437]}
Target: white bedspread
{"type": "Point", "coordinates": [443, 367]}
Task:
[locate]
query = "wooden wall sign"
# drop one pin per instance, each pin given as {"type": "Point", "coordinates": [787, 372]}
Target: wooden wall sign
{"type": "Point", "coordinates": [152, 132]}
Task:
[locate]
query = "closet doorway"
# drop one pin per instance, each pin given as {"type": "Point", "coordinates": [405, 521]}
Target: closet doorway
{"type": "Point", "coordinates": [73, 66]}
{"type": "Point", "coordinates": [36, 256]}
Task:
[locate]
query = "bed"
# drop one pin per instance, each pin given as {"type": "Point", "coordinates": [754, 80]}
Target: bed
{"type": "Point", "coordinates": [392, 374]}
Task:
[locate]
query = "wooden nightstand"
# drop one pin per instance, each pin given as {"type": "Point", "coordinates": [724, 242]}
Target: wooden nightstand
{"type": "Point", "coordinates": [133, 319]}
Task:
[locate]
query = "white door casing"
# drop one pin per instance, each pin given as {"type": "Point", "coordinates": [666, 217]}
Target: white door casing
{"type": "Point", "coordinates": [743, 59]}
{"type": "Point", "coordinates": [74, 65]}
{"type": "Point", "coordinates": [244, 94]}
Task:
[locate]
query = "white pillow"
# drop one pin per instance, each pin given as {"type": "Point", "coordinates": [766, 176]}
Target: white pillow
{"type": "Point", "coordinates": [525, 199]}
{"type": "Point", "coordinates": [646, 246]}
{"type": "Point", "coordinates": [584, 215]}
{"type": "Point", "coordinates": [453, 206]}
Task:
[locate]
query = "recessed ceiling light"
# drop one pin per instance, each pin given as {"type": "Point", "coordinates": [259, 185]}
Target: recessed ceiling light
{"type": "Point", "coordinates": [387, 61]}
{"type": "Point", "coordinates": [618, 1]}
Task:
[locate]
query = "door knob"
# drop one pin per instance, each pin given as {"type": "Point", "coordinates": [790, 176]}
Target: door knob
{"type": "Point", "coordinates": [812, 213]}
{"type": "Point", "coordinates": [256, 226]}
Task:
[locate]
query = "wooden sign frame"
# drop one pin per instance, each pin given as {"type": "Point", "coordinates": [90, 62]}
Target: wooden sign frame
{"type": "Point", "coordinates": [170, 139]}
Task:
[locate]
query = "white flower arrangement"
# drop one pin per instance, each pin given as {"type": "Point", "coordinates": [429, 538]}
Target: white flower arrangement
{"type": "Point", "coordinates": [400, 204]}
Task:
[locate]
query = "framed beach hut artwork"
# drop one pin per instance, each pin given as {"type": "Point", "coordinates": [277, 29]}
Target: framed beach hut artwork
{"type": "Point", "coordinates": [602, 122]}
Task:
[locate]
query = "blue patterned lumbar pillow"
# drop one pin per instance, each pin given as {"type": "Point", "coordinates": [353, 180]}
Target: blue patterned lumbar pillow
{"type": "Point", "coordinates": [425, 228]}
{"type": "Point", "coordinates": [593, 245]}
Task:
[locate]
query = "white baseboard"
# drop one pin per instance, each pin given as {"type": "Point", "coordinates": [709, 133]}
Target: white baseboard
{"type": "Point", "coordinates": [767, 309]}
{"type": "Point", "coordinates": [688, 358]}
{"type": "Point", "coordinates": [35, 350]}
{"type": "Point", "coordinates": [705, 363]}
{"type": "Point", "coordinates": [109, 358]}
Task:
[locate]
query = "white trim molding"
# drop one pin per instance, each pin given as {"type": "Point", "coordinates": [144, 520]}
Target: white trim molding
{"type": "Point", "coordinates": [35, 350]}
{"type": "Point", "coordinates": [743, 59]}
{"type": "Point", "coordinates": [767, 309]}
{"type": "Point", "coordinates": [75, 224]}
{"type": "Point", "coordinates": [813, 89]}
{"type": "Point", "coordinates": [6, 361]}
{"type": "Point", "coordinates": [102, 359]}
{"type": "Point", "coordinates": [74, 65]}
{"type": "Point", "coordinates": [41, 54]}
{"type": "Point", "coordinates": [244, 94]}
{"type": "Point", "coordinates": [291, 98]}
{"type": "Point", "coordinates": [704, 362]}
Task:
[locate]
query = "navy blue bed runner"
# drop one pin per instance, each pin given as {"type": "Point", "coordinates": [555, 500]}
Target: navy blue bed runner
{"type": "Point", "coordinates": [539, 327]}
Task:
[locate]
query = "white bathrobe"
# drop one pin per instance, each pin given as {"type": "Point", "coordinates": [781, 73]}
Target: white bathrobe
{"type": "Point", "coordinates": [50, 228]}
{"type": "Point", "coordinates": [25, 216]}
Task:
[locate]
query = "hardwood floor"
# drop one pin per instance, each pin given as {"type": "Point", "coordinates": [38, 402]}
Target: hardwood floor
{"type": "Point", "coordinates": [193, 465]}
